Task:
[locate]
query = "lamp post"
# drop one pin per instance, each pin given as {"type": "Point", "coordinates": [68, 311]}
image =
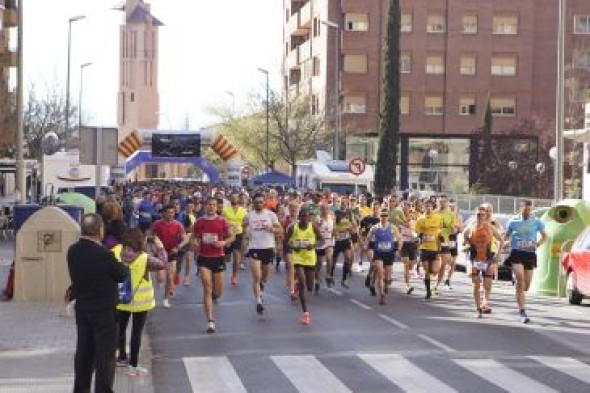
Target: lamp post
{"type": "Point", "coordinates": [559, 103]}
{"type": "Point", "coordinates": [266, 153]}
{"type": "Point", "coordinates": [20, 135]}
{"type": "Point", "coordinates": [338, 120]}
{"type": "Point", "coordinates": [81, 94]}
{"type": "Point", "coordinates": [70, 21]}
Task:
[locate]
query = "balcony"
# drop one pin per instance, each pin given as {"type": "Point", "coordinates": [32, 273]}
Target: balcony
{"type": "Point", "coordinates": [304, 51]}
{"type": "Point", "coordinates": [10, 18]}
{"type": "Point", "coordinates": [293, 59]}
{"type": "Point", "coordinates": [305, 16]}
{"type": "Point", "coordinates": [8, 59]}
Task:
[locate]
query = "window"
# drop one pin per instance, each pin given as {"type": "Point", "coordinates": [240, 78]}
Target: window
{"type": "Point", "coordinates": [582, 24]}
{"type": "Point", "coordinates": [504, 65]}
{"type": "Point", "coordinates": [582, 59]}
{"type": "Point", "coordinates": [355, 104]}
{"type": "Point", "coordinates": [467, 106]}
{"type": "Point", "coordinates": [433, 106]}
{"type": "Point", "coordinates": [405, 63]}
{"type": "Point", "coordinates": [468, 64]}
{"type": "Point", "coordinates": [404, 105]}
{"type": "Point", "coordinates": [131, 97]}
{"type": "Point", "coordinates": [407, 23]}
{"type": "Point", "coordinates": [503, 106]}
{"type": "Point", "coordinates": [469, 24]}
{"type": "Point", "coordinates": [357, 22]}
{"type": "Point", "coordinates": [355, 64]}
{"type": "Point", "coordinates": [435, 65]}
{"type": "Point", "coordinates": [505, 25]}
{"type": "Point", "coordinates": [316, 66]}
{"type": "Point", "coordinates": [435, 24]}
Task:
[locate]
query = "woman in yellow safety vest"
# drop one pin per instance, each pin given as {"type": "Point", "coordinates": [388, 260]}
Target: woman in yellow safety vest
{"type": "Point", "coordinates": [132, 251]}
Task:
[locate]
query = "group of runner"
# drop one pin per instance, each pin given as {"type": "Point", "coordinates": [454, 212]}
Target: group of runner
{"type": "Point", "coordinates": [309, 232]}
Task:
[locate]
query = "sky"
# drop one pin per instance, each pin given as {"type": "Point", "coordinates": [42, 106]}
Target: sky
{"type": "Point", "coordinates": [207, 49]}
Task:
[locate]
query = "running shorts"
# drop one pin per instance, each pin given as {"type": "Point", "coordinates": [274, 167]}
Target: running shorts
{"type": "Point", "coordinates": [428, 256]}
{"type": "Point", "coordinates": [264, 255]}
{"type": "Point", "coordinates": [527, 259]}
{"type": "Point", "coordinates": [215, 264]}
{"type": "Point", "coordinates": [341, 246]}
{"type": "Point", "coordinates": [410, 250]}
{"type": "Point", "coordinates": [386, 257]}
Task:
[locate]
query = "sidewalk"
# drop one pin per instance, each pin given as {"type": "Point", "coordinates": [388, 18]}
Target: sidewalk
{"type": "Point", "coordinates": [37, 345]}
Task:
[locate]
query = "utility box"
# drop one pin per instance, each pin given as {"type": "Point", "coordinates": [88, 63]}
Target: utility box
{"type": "Point", "coordinates": [42, 243]}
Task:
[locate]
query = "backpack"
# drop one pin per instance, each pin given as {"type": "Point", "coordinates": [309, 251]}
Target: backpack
{"type": "Point", "coordinates": [126, 291]}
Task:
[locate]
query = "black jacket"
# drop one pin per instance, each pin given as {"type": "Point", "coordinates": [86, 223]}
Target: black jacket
{"type": "Point", "coordinates": [95, 273]}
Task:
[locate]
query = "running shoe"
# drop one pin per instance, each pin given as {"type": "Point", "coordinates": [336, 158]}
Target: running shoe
{"type": "Point", "coordinates": [486, 309]}
{"type": "Point", "coordinates": [479, 313]}
{"type": "Point", "coordinates": [373, 291]}
{"type": "Point", "coordinates": [306, 318]}
{"type": "Point", "coordinates": [234, 280]}
{"type": "Point", "coordinates": [409, 290]}
{"type": "Point", "coordinates": [259, 308]}
{"type": "Point", "coordinates": [166, 303]}
{"type": "Point", "coordinates": [523, 317]}
{"type": "Point", "coordinates": [448, 285]}
{"type": "Point", "coordinates": [211, 327]}
{"type": "Point", "coordinates": [344, 283]}
{"type": "Point", "coordinates": [137, 370]}
{"type": "Point", "coordinates": [382, 300]}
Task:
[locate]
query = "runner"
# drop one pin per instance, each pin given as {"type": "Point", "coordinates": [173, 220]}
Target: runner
{"type": "Point", "coordinates": [523, 233]}
{"type": "Point", "coordinates": [146, 212]}
{"type": "Point", "coordinates": [453, 246]}
{"type": "Point", "coordinates": [428, 228]}
{"type": "Point", "coordinates": [293, 210]}
{"type": "Point", "coordinates": [235, 214]}
{"type": "Point", "coordinates": [448, 226]}
{"type": "Point", "coordinates": [188, 218]}
{"type": "Point", "coordinates": [387, 241]}
{"type": "Point", "coordinates": [368, 246]}
{"type": "Point", "coordinates": [174, 237]}
{"type": "Point", "coordinates": [409, 250]}
{"type": "Point", "coordinates": [496, 251]}
{"type": "Point", "coordinates": [261, 227]}
{"type": "Point", "coordinates": [480, 236]}
{"type": "Point", "coordinates": [325, 248]}
{"type": "Point", "coordinates": [302, 237]}
{"type": "Point", "coordinates": [211, 234]}
{"type": "Point", "coordinates": [343, 229]}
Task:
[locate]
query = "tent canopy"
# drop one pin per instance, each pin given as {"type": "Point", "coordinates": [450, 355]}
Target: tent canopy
{"type": "Point", "coordinates": [272, 178]}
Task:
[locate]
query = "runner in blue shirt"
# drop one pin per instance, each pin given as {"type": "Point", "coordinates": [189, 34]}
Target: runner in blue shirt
{"type": "Point", "coordinates": [523, 232]}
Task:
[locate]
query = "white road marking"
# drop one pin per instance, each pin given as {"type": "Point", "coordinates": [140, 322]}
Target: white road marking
{"type": "Point", "coordinates": [437, 343]}
{"type": "Point", "coordinates": [335, 291]}
{"type": "Point", "coordinates": [569, 366]}
{"type": "Point", "coordinates": [360, 304]}
{"type": "Point", "coordinates": [405, 374]}
{"type": "Point", "coordinates": [213, 375]}
{"type": "Point", "coordinates": [393, 321]}
{"type": "Point", "coordinates": [307, 374]}
{"type": "Point", "coordinates": [502, 376]}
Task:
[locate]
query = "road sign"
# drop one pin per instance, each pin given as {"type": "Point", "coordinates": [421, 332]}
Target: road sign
{"type": "Point", "coordinates": [357, 166]}
{"type": "Point", "coordinates": [98, 146]}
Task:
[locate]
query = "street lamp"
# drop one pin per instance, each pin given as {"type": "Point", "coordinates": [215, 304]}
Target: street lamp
{"type": "Point", "coordinates": [70, 21]}
{"type": "Point", "coordinates": [559, 103]}
{"type": "Point", "coordinates": [266, 154]}
{"type": "Point", "coordinates": [338, 120]}
{"type": "Point", "coordinates": [81, 93]}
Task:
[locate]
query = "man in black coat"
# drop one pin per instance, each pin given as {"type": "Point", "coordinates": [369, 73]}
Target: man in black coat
{"type": "Point", "coordinates": [95, 274]}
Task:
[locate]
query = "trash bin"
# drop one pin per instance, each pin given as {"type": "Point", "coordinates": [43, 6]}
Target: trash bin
{"type": "Point", "coordinates": [42, 243]}
{"type": "Point", "coordinates": [563, 223]}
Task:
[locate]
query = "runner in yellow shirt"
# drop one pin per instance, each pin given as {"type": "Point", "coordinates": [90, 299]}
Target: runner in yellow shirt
{"type": "Point", "coordinates": [428, 228]}
{"type": "Point", "coordinates": [235, 214]}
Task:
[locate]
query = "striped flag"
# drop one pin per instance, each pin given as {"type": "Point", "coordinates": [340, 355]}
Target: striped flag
{"type": "Point", "coordinates": [130, 144]}
{"type": "Point", "coordinates": [223, 148]}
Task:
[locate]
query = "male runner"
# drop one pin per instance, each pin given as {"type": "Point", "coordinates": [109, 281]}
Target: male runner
{"type": "Point", "coordinates": [496, 251]}
{"type": "Point", "coordinates": [344, 227]}
{"type": "Point", "coordinates": [302, 237]}
{"type": "Point", "coordinates": [174, 237]}
{"type": "Point", "coordinates": [448, 226]}
{"type": "Point", "coordinates": [428, 228]}
{"type": "Point", "coordinates": [211, 234]}
{"type": "Point", "coordinates": [409, 250]}
{"type": "Point", "coordinates": [368, 245]}
{"type": "Point", "coordinates": [235, 214]}
{"type": "Point", "coordinates": [387, 241]}
{"type": "Point", "coordinates": [324, 249]}
{"type": "Point", "coordinates": [261, 227]}
{"type": "Point", "coordinates": [523, 232]}
{"type": "Point", "coordinates": [480, 236]}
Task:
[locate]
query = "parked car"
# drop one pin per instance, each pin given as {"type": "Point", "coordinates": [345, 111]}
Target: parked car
{"type": "Point", "coordinates": [504, 272]}
{"type": "Point", "coordinates": [576, 266]}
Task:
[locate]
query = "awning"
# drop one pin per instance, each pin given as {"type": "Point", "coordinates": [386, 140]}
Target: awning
{"type": "Point", "coordinates": [130, 144]}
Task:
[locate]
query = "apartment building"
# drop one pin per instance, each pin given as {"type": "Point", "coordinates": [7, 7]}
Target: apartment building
{"type": "Point", "coordinates": [8, 62]}
{"type": "Point", "coordinates": [455, 57]}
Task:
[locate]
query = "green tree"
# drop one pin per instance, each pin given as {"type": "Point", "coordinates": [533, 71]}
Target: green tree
{"type": "Point", "coordinates": [485, 149]}
{"type": "Point", "coordinates": [385, 170]}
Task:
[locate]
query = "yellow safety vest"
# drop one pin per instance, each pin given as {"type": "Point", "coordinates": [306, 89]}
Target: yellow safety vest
{"type": "Point", "coordinates": [303, 238]}
{"type": "Point", "coordinates": [235, 218]}
{"type": "Point", "coordinates": [144, 299]}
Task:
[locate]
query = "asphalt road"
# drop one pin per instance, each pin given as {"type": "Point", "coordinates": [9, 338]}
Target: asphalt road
{"type": "Point", "coordinates": [354, 344]}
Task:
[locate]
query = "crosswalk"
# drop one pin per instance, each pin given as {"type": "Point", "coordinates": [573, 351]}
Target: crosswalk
{"type": "Point", "coordinates": [385, 373]}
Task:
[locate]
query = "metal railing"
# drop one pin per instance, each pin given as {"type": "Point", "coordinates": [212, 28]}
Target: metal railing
{"type": "Point", "coordinates": [501, 203]}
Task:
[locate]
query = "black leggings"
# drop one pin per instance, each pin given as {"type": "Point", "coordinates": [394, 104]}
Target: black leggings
{"type": "Point", "coordinates": [139, 319]}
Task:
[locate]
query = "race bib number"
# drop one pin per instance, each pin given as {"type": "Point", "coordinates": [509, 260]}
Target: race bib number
{"type": "Point", "coordinates": [384, 246]}
{"type": "Point", "coordinates": [525, 245]}
{"type": "Point", "coordinates": [429, 238]}
{"type": "Point", "coordinates": [480, 265]}
{"type": "Point", "coordinates": [407, 232]}
{"type": "Point", "coordinates": [145, 215]}
{"type": "Point", "coordinates": [342, 236]}
{"type": "Point", "coordinates": [449, 244]}
{"type": "Point", "coordinates": [209, 238]}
